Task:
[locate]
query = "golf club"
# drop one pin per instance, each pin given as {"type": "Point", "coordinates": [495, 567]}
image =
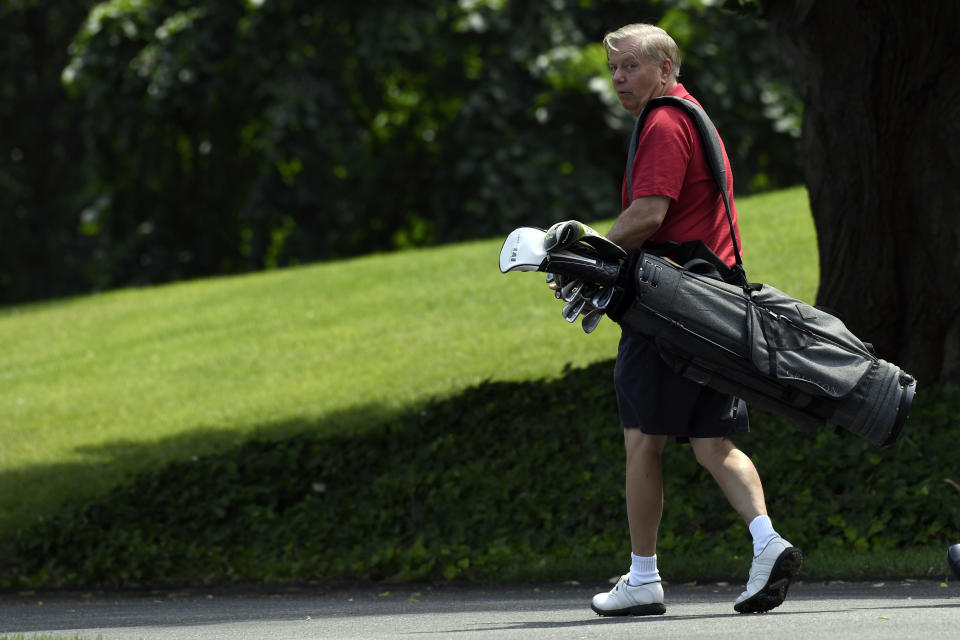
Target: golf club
{"type": "Point", "coordinates": [601, 299]}
{"type": "Point", "coordinates": [571, 290]}
{"type": "Point", "coordinates": [562, 234]}
{"type": "Point", "coordinates": [591, 320]}
{"type": "Point", "coordinates": [572, 309]}
{"type": "Point", "coordinates": [565, 234]}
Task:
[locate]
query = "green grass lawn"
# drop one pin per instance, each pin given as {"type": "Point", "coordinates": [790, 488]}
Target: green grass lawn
{"type": "Point", "coordinates": [96, 388]}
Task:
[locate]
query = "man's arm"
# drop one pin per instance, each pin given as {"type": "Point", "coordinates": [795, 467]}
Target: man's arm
{"type": "Point", "coordinates": [639, 221]}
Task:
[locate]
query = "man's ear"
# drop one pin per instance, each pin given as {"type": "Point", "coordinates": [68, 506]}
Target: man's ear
{"type": "Point", "coordinates": [666, 68]}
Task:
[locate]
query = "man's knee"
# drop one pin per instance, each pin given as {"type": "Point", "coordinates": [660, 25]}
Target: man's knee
{"type": "Point", "coordinates": [711, 452]}
{"type": "Point", "coordinates": [638, 443]}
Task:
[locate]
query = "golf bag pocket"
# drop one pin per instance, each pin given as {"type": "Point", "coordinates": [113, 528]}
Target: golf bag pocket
{"type": "Point", "coordinates": [793, 342]}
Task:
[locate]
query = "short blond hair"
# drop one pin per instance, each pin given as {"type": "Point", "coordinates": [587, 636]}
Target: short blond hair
{"type": "Point", "coordinates": [654, 43]}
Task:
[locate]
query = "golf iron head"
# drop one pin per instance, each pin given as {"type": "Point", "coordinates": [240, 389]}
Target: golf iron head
{"type": "Point", "coordinates": [602, 298]}
{"type": "Point", "coordinates": [571, 290]}
{"type": "Point", "coordinates": [572, 309]}
{"type": "Point", "coordinates": [591, 320]}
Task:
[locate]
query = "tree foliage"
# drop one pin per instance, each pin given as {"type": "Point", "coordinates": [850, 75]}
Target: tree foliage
{"type": "Point", "coordinates": [168, 139]}
{"type": "Point", "coordinates": [40, 151]}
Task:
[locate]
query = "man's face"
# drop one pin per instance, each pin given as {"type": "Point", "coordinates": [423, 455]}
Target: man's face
{"type": "Point", "coordinates": [636, 78]}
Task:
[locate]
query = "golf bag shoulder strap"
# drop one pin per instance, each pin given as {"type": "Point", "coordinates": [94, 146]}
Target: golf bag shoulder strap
{"type": "Point", "coordinates": [695, 256]}
{"type": "Point", "coordinates": [714, 156]}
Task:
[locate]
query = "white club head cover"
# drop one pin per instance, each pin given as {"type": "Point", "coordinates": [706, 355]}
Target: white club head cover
{"type": "Point", "coordinates": [523, 250]}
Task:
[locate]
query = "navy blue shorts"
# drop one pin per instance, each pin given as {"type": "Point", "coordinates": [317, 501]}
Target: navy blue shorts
{"type": "Point", "coordinates": [654, 398]}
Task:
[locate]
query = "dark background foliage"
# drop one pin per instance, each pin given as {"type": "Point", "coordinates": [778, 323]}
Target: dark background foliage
{"type": "Point", "coordinates": [151, 141]}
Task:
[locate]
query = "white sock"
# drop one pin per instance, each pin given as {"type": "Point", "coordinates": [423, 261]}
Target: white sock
{"type": "Point", "coordinates": [762, 531]}
{"type": "Point", "coordinates": [643, 569]}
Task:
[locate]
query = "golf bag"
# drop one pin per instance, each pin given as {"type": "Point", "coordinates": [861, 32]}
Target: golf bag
{"type": "Point", "coordinates": [755, 342]}
{"type": "Point", "coordinates": [712, 326]}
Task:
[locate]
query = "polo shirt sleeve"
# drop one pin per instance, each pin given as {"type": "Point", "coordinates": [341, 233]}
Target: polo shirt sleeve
{"type": "Point", "coordinates": [664, 150]}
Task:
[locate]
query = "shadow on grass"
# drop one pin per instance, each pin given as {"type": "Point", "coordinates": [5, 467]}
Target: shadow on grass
{"type": "Point", "coordinates": [428, 491]}
{"type": "Point", "coordinates": [519, 481]}
{"type": "Point", "coordinates": [33, 493]}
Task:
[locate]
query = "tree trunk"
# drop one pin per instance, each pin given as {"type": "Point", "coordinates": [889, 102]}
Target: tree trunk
{"type": "Point", "coordinates": [881, 140]}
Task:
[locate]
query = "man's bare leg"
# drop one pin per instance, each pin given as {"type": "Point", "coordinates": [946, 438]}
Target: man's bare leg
{"type": "Point", "coordinates": [735, 473]}
{"type": "Point", "coordinates": [640, 592]}
{"type": "Point", "coordinates": [644, 484]}
{"type": "Point", "coordinates": [776, 562]}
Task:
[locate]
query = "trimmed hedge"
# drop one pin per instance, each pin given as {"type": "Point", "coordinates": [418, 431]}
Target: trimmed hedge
{"type": "Point", "coordinates": [506, 475]}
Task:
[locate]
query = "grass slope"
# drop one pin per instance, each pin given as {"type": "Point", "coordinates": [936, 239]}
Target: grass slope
{"type": "Point", "coordinates": [98, 388]}
{"type": "Point", "coordinates": [373, 419]}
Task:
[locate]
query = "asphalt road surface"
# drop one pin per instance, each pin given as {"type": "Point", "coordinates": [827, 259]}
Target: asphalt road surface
{"type": "Point", "coordinates": [892, 609]}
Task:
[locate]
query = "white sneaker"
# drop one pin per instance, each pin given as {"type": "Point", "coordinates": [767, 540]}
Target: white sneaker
{"type": "Point", "coordinates": [770, 576]}
{"type": "Point", "coordinates": [627, 600]}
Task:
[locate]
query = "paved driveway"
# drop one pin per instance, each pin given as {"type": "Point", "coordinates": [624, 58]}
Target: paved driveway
{"type": "Point", "coordinates": [897, 609]}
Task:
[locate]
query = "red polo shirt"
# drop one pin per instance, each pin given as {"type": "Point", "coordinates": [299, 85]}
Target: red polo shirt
{"type": "Point", "coordinates": [670, 162]}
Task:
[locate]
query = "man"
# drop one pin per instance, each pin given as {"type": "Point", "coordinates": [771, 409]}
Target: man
{"type": "Point", "coordinates": [674, 198]}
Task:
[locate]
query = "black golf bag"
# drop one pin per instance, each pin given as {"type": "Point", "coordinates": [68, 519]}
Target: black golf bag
{"type": "Point", "coordinates": [755, 342]}
{"type": "Point", "coordinates": [712, 326]}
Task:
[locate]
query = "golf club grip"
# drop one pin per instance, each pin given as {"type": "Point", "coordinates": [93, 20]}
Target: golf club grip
{"type": "Point", "coordinates": [593, 271]}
